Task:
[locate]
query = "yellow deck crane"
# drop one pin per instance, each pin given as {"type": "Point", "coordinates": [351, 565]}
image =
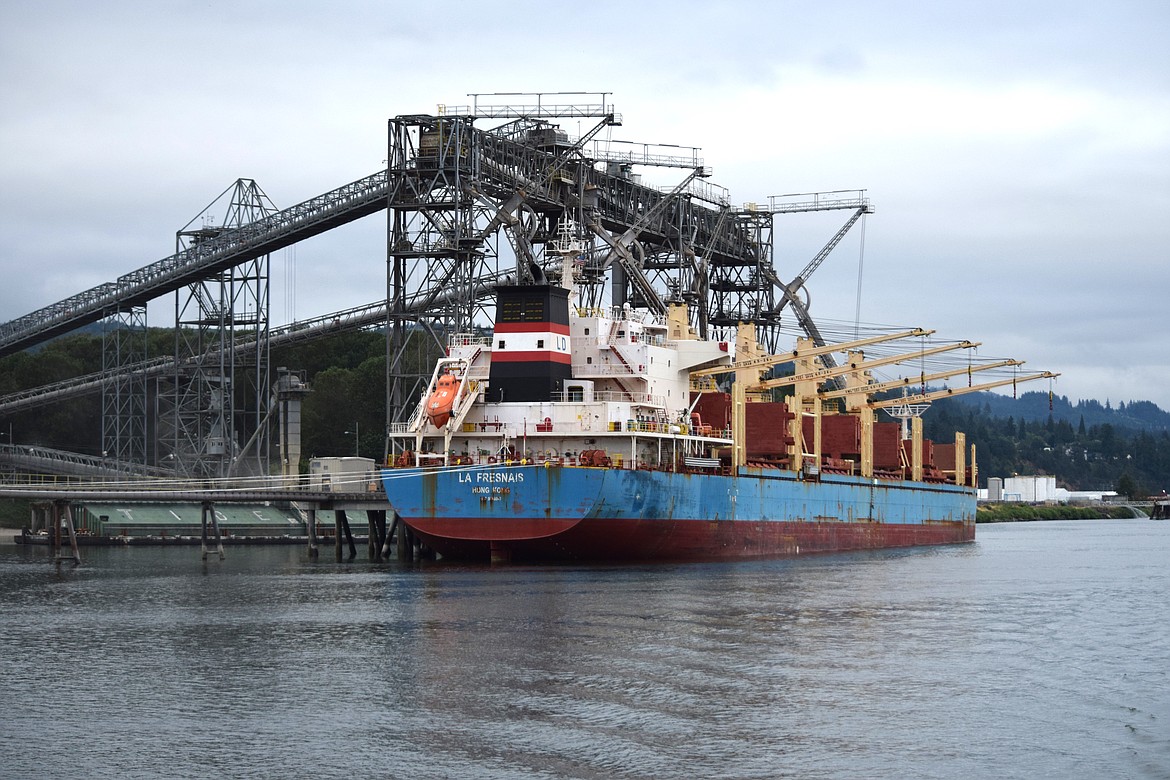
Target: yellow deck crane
{"type": "Point", "coordinates": [806, 399]}
{"type": "Point", "coordinates": [747, 372]}
{"type": "Point", "coordinates": [807, 378]}
{"type": "Point", "coordinates": [864, 391]}
{"type": "Point", "coordinates": [857, 365]}
{"type": "Point", "coordinates": [960, 438]}
{"type": "Point", "coordinates": [804, 351]}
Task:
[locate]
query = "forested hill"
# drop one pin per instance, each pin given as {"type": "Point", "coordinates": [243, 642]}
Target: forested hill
{"type": "Point", "coordinates": [1087, 446]}
{"type": "Point", "coordinates": [1035, 407]}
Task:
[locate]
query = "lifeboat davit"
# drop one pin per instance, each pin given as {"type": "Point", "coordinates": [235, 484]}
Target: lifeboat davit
{"type": "Point", "coordinates": [440, 403]}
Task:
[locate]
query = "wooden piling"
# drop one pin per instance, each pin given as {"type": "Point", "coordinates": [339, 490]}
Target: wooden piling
{"type": "Point", "coordinates": [377, 523]}
{"type": "Point", "coordinates": [208, 518]}
{"type": "Point", "coordinates": [388, 535]}
{"type": "Point", "coordinates": [342, 524]}
{"type": "Point", "coordinates": [405, 543]}
{"type": "Point", "coordinates": [311, 523]}
{"type": "Point", "coordinates": [63, 514]}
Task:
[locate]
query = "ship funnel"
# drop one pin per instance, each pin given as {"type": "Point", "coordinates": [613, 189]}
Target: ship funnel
{"type": "Point", "coordinates": [531, 357]}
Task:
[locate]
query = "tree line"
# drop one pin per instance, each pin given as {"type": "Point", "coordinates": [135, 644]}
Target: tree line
{"type": "Point", "coordinates": [1087, 445]}
{"type": "Point", "coordinates": [1099, 456]}
{"type": "Point", "coordinates": [344, 414]}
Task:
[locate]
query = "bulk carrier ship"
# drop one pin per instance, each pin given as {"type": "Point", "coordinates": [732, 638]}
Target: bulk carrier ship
{"type": "Point", "coordinates": [575, 433]}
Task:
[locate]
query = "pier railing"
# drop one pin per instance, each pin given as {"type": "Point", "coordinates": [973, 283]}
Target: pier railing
{"type": "Point", "coordinates": [157, 488]}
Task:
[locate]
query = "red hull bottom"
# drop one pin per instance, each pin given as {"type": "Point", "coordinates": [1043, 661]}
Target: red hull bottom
{"type": "Point", "coordinates": [680, 540]}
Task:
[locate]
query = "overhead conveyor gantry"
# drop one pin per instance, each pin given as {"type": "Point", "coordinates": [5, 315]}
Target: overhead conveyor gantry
{"type": "Point", "coordinates": [234, 247]}
{"type": "Point", "coordinates": [448, 179]}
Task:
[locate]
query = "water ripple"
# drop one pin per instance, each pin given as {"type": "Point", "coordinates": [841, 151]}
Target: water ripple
{"type": "Point", "coordinates": [1039, 651]}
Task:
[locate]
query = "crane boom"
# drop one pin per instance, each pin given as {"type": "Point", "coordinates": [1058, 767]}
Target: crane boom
{"type": "Point", "coordinates": [829, 373]}
{"type": "Point", "coordinates": [768, 361]}
{"type": "Point", "coordinates": [906, 380]}
{"type": "Point", "coordinates": [932, 395]}
{"type": "Point", "coordinates": [798, 282]}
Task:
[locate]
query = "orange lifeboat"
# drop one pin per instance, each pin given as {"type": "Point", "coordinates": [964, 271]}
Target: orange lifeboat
{"type": "Point", "coordinates": [440, 403]}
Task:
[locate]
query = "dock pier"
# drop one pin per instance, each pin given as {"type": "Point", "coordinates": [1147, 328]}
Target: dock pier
{"type": "Point", "coordinates": [52, 516]}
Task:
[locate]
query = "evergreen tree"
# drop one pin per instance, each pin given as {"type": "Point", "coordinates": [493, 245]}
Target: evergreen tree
{"type": "Point", "coordinates": [1129, 487]}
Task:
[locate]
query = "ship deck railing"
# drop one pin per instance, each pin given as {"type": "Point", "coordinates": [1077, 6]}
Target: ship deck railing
{"type": "Point", "coordinates": [652, 400]}
{"type": "Point", "coordinates": [653, 339]}
{"type": "Point", "coordinates": [622, 315]}
{"type": "Point", "coordinates": [583, 370]}
{"type": "Point", "coordinates": [468, 340]}
{"type": "Point", "coordinates": [531, 427]}
{"type": "Point", "coordinates": [539, 428]}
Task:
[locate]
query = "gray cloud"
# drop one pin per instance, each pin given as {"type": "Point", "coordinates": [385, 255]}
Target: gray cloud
{"type": "Point", "coordinates": [1019, 154]}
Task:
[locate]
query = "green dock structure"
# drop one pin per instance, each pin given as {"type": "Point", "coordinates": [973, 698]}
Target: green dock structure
{"type": "Point", "coordinates": [137, 520]}
{"type": "Point", "coordinates": [192, 513]}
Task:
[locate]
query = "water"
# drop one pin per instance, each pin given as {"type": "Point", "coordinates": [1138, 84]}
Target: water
{"type": "Point", "coordinates": [1042, 650]}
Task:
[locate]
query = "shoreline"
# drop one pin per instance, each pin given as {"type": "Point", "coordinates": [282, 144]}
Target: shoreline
{"type": "Point", "coordinates": [1026, 513]}
{"type": "Point", "coordinates": [1020, 513]}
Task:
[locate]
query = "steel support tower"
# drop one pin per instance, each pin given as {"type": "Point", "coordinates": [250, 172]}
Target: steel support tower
{"type": "Point", "coordinates": [214, 406]}
{"type": "Point", "coordinates": [124, 399]}
{"type": "Point", "coordinates": [456, 183]}
{"type": "Point", "coordinates": [454, 188]}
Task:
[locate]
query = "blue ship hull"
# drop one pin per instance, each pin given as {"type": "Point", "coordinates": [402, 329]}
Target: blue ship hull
{"type": "Point", "coordinates": [577, 513]}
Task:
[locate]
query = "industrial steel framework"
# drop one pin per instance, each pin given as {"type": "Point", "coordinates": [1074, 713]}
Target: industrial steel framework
{"type": "Point", "coordinates": [454, 188]}
{"type": "Point", "coordinates": [124, 400]}
{"type": "Point", "coordinates": [217, 398]}
{"type": "Point", "coordinates": [455, 183]}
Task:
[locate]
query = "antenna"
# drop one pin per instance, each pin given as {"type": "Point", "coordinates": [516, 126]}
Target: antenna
{"type": "Point", "coordinates": [905, 412]}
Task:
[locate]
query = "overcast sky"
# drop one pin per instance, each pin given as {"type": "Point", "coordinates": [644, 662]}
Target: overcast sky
{"type": "Point", "coordinates": [1017, 153]}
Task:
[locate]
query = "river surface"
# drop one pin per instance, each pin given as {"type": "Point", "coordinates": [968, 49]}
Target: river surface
{"type": "Point", "coordinates": [1042, 650]}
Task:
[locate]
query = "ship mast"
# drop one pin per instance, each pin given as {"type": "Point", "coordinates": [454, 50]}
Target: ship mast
{"type": "Point", "coordinates": [571, 249]}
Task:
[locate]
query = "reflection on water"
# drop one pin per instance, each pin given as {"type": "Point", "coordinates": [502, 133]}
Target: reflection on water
{"type": "Point", "coordinates": [1040, 650]}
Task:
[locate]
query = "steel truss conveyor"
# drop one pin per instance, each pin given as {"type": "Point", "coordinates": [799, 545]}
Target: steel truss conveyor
{"type": "Point", "coordinates": [506, 166]}
{"type": "Point", "coordinates": [201, 261]}
{"type": "Point", "coordinates": [372, 315]}
{"type": "Point", "coordinates": [453, 189]}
